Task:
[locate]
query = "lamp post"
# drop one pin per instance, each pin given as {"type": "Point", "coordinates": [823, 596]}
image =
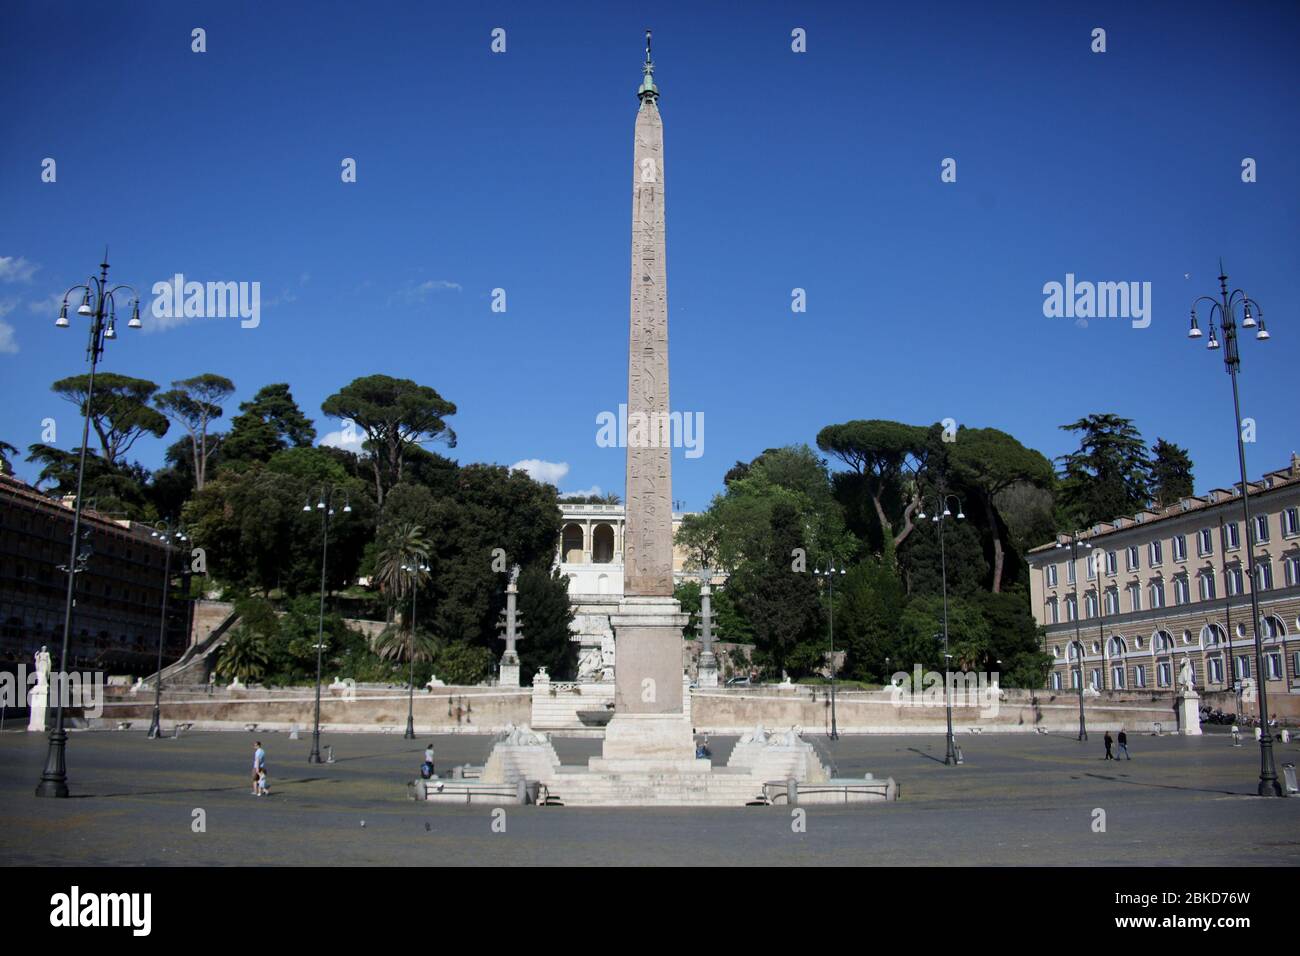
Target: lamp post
{"type": "Point", "coordinates": [829, 575]}
{"type": "Point", "coordinates": [1075, 541]}
{"type": "Point", "coordinates": [1226, 304]}
{"type": "Point", "coordinates": [415, 571]}
{"type": "Point", "coordinates": [940, 516]}
{"type": "Point", "coordinates": [99, 304]}
{"type": "Point", "coordinates": [164, 531]}
{"type": "Point", "coordinates": [325, 506]}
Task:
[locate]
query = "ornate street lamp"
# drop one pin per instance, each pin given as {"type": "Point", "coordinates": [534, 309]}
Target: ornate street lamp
{"type": "Point", "coordinates": [98, 302]}
{"type": "Point", "coordinates": [829, 574]}
{"type": "Point", "coordinates": [326, 508]}
{"type": "Point", "coordinates": [940, 518]}
{"type": "Point", "coordinates": [416, 571]}
{"type": "Point", "coordinates": [165, 533]}
{"type": "Point", "coordinates": [1227, 304]}
{"type": "Point", "coordinates": [1074, 543]}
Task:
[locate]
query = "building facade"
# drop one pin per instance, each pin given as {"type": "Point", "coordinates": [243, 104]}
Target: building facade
{"type": "Point", "coordinates": [590, 549]}
{"type": "Point", "coordinates": [1143, 593]}
{"type": "Point", "coordinates": [590, 553]}
{"type": "Point", "coordinates": [118, 597]}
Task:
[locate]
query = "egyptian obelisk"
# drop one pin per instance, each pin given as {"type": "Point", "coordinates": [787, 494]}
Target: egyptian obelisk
{"type": "Point", "coordinates": [649, 722]}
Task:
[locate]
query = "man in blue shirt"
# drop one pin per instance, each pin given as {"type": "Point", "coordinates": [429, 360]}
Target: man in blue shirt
{"type": "Point", "coordinates": [259, 761]}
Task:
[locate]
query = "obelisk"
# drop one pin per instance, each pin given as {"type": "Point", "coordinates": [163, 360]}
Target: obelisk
{"type": "Point", "coordinates": [649, 723]}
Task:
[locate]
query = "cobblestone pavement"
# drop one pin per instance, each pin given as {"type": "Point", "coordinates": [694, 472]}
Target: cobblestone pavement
{"type": "Point", "coordinates": [1017, 799]}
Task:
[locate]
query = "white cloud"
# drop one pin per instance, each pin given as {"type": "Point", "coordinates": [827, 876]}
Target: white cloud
{"type": "Point", "coordinates": [8, 343]}
{"type": "Point", "coordinates": [50, 305]}
{"type": "Point", "coordinates": [547, 472]}
{"type": "Point", "coordinates": [349, 438]}
{"type": "Point", "coordinates": [593, 492]}
{"type": "Point", "coordinates": [413, 293]}
{"type": "Point", "coordinates": [16, 270]}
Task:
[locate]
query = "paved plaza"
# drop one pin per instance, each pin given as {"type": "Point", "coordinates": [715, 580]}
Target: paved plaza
{"type": "Point", "coordinates": [1017, 799]}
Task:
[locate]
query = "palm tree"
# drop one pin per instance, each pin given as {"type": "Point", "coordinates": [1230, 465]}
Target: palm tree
{"type": "Point", "coordinates": [401, 569]}
{"type": "Point", "coordinates": [406, 646]}
{"type": "Point", "coordinates": [243, 657]}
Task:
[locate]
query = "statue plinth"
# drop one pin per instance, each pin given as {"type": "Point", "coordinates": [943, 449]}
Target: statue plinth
{"type": "Point", "coordinates": [38, 700]}
{"type": "Point", "coordinates": [707, 670]}
{"type": "Point", "coordinates": [509, 669]}
{"type": "Point", "coordinates": [1189, 712]}
{"type": "Point", "coordinates": [650, 725]}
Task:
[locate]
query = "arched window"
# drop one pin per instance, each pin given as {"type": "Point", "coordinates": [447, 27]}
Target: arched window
{"type": "Point", "coordinates": [602, 544]}
{"type": "Point", "coordinates": [1271, 628]}
{"type": "Point", "coordinates": [1116, 646]}
{"type": "Point", "coordinates": [1162, 642]}
{"type": "Point", "coordinates": [571, 541]}
{"type": "Point", "coordinates": [1212, 635]}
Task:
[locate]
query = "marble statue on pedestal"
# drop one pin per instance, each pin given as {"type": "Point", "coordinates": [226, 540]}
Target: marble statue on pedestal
{"type": "Point", "coordinates": [38, 700]}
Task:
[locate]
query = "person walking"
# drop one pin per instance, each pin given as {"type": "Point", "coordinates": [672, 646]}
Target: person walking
{"type": "Point", "coordinates": [1109, 741]}
{"type": "Point", "coordinates": [1123, 744]}
{"type": "Point", "coordinates": [259, 764]}
{"type": "Point", "coordinates": [426, 769]}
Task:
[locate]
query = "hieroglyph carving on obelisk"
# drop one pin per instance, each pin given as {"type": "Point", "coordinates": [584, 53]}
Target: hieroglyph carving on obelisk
{"type": "Point", "coordinates": [648, 548]}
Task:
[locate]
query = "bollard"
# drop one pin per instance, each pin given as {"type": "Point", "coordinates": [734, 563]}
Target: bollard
{"type": "Point", "coordinates": [1288, 771]}
{"type": "Point", "coordinates": [521, 791]}
{"type": "Point", "coordinates": [329, 753]}
{"type": "Point", "coordinates": [958, 749]}
{"type": "Point", "coordinates": [792, 791]}
{"type": "Point", "coordinates": [1236, 736]}
{"type": "Point", "coordinates": [293, 731]}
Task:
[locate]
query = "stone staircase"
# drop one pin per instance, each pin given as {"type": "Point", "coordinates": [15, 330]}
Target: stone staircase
{"type": "Point", "coordinates": [722, 787]}
{"type": "Point", "coordinates": [212, 622]}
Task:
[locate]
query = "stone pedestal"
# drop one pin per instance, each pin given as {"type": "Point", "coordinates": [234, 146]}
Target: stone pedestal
{"type": "Point", "coordinates": [707, 670]}
{"type": "Point", "coordinates": [1189, 713]}
{"type": "Point", "coordinates": [38, 700]}
{"type": "Point", "coordinates": [509, 669]}
{"type": "Point", "coordinates": [650, 724]}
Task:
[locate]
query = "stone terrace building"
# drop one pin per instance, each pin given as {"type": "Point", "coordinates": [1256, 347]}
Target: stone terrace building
{"type": "Point", "coordinates": [118, 597]}
{"type": "Point", "coordinates": [1171, 583]}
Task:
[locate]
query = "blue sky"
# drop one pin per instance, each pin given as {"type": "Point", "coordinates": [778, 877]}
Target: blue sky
{"type": "Point", "coordinates": [818, 170]}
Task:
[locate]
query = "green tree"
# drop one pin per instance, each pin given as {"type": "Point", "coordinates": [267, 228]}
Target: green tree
{"type": "Point", "coordinates": [119, 413]}
{"type": "Point", "coordinates": [547, 614]}
{"type": "Point", "coordinates": [395, 414]}
{"type": "Point", "coordinates": [922, 564]}
{"type": "Point", "coordinates": [737, 528]}
{"type": "Point", "coordinates": [406, 645]}
{"type": "Point", "coordinates": [462, 664]}
{"type": "Point", "coordinates": [495, 518]}
{"type": "Point", "coordinates": [113, 489]}
{"type": "Point", "coordinates": [884, 457]}
{"type": "Point", "coordinates": [921, 635]}
{"type": "Point", "coordinates": [194, 404]}
{"type": "Point", "coordinates": [1171, 472]}
{"type": "Point", "coordinates": [1014, 639]}
{"type": "Point", "coordinates": [256, 535]}
{"type": "Point", "coordinates": [269, 423]}
{"type": "Point", "coordinates": [401, 568]}
{"type": "Point", "coordinates": [782, 605]}
{"type": "Point", "coordinates": [1109, 475]}
{"type": "Point", "coordinates": [243, 656]}
{"type": "Point", "coordinates": [989, 462]}
{"type": "Point", "coordinates": [867, 613]}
